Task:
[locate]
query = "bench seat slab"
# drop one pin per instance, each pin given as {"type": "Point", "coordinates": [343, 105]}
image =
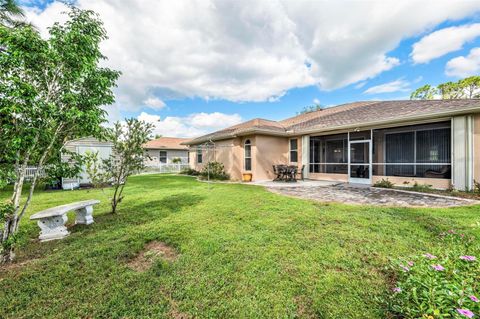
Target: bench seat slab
{"type": "Point", "coordinates": [53, 228]}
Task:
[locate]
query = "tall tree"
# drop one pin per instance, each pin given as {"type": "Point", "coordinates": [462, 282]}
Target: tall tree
{"type": "Point", "coordinates": [52, 91]}
{"type": "Point", "coordinates": [426, 92]}
{"type": "Point", "coordinates": [11, 15]}
{"type": "Point", "coordinates": [450, 90]}
{"type": "Point", "coordinates": [470, 87]}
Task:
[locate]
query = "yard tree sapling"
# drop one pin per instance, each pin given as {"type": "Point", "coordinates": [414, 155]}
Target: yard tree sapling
{"type": "Point", "coordinates": [128, 154]}
{"type": "Point", "coordinates": [52, 91]}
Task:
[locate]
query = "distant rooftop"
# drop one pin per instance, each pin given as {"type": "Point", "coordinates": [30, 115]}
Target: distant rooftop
{"type": "Point", "coordinates": [167, 143]}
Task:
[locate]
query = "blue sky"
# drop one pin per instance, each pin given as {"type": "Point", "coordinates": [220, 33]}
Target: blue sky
{"type": "Point", "coordinates": [196, 66]}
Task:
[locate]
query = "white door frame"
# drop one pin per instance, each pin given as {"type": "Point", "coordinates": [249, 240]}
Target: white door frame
{"type": "Point", "coordinates": [369, 164]}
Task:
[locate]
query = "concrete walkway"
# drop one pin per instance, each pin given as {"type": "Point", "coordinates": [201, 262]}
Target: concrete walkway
{"type": "Point", "coordinates": [325, 191]}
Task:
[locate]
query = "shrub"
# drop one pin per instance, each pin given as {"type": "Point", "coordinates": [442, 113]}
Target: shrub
{"type": "Point", "coordinates": [189, 171]}
{"type": "Point", "coordinates": [177, 160]}
{"type": "Point", "coordinates": [384, 183]}
{"type": "Point", "coordinates": [476, 186]}
{"type": "Point", "coordinates": [421, 187]}
{"type": "Point", "coordinates": [439, 284]}
{"type": "Point", "coordinates": [215, 171]}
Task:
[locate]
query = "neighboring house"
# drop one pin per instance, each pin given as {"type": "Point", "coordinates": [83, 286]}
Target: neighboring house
{"type": "Point", "coordinates": [434, 142]}
{"type": "Point", "coordinates": [81, 146]}
{"type": "Point", "coordinates": [163, 151]}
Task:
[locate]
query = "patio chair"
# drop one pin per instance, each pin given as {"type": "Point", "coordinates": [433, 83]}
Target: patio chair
{"type": "Point", "coordinates": [278, 173]}
{"type": "Point", "coordinates": [444, 172]}
{"type": "Point", "coordinates": [300, 172]}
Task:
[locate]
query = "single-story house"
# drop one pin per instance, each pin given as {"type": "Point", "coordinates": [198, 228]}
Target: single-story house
{"type": "Point", "coordinates": [165, 150]}
{"type": "Point", "coordinates": [434, 142]}
{"type": "Point", "coordinates": [82, 146]}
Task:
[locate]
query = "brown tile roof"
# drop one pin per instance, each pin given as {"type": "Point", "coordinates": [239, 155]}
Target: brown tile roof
{"type": "Point", "coordinates": [169, 143]}
{"type": "Point", "coordinates": [348, 115]}
{"type": "Point", "coordinates": [257, 125]}
{"type": "Point", "coordinates": [384, 111]}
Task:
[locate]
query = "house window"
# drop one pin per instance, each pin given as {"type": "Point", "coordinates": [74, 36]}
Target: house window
{"type": "Point", "coordinates": [199, 156]}
{"type": "Point", "coordinates": [294, 150]}
{"type": "Point", "coordinates": [248, 155]}
{"type": "Point", "coordinates": [163, 157]}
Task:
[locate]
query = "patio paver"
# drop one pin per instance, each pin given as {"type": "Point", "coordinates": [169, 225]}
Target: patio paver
{"type": "Point", "coordinates": [364, 195]}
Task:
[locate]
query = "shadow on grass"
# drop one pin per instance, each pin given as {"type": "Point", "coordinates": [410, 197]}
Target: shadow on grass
{"type": "Point", "coordinates": [141, 213]}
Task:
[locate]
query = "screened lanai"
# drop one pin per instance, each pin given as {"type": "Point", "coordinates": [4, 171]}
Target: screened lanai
{"type": "Point", "coordinates": [416, 151]}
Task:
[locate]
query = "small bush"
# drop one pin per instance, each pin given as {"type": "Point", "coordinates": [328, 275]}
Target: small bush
{"type": "Point", "coordinates": [476, 186]}
{"type": "Point", "coordinates": [214, 171]}
{"type": "Point", "coordinates": [189, 171]}
{"type": "Point", "coordinates": [438, 284]}
{"type": "Point", "coordinates": [384, 183]}
{"type": "Point", "coordinates": [421, 187]}
{"type": "Point", "coordinates": [177, 160]}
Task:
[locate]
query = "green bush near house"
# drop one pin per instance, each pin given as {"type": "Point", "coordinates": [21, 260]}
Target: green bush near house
{"type": "Point", "coordinates": [384, 183]}
{"type": "Point", "coordinates": [243, 252]}
{"type": "Point", "coordinates": [214, 171]}
{"type": "Point", "coordinates": [189, 171]}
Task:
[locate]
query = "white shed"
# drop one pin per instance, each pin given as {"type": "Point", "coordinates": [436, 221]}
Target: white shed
{"type": "Point", "coordinates": [81, 146]}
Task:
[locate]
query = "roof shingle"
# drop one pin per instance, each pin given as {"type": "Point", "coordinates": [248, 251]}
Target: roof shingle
{"type": "Point", "coordinates": [345, 115]}
{"type": "Point", "coordinates": [168, 143]}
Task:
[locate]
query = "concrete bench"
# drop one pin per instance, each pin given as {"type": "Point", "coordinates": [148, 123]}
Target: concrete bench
{"type": "Point", "coordinates": [52, 221]}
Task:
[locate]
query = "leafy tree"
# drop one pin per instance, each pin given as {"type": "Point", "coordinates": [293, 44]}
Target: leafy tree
{"type": "Point", "coordinates": [128, 155]}
{"type": "Point", "coordinates": [311, 108]}
{"type": "Point", "coordinates": [426, 92]}
{"type": "Point", "coordinates": [52, 91]}
{"type": "Point", "coordinates": [470, 87]}
{"type": "Point", "coordinates": [450, 90]}
{"type": "Point", "coordinates": [93, 168]}
{"type": "Point", "coordinates": [11, 15]}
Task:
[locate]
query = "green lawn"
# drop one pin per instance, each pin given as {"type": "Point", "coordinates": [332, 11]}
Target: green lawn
{"type": "Point", "coordinates": [244, 253]}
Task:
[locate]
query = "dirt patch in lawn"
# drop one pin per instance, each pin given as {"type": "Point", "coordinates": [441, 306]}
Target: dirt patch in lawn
{"type": "Point", "coordinates": [153, 250]}
{"type": "Point", "coordinates": [304, 307]}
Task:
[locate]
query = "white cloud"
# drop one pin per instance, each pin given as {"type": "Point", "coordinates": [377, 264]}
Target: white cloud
{"type": "Point", "coordinates": [316, 101]}
{"type": "Point", "coordinates": [252, 50]}
{"type": "Point", "coordinates": [360, 85]}
{"type": "Point", "coordinates": [464, 66]}
{"type": "Point", "coordinates": [398, 85]}
{"type": "Point", "coordinates": [443, 41]}
{"type": "Point", "coordinates": [154, 103]}
{"type": "Point", "coordinates": [192, 125]}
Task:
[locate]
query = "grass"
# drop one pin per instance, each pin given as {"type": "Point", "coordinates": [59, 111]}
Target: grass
{"type": "Point", "coordinates": [244, 253]}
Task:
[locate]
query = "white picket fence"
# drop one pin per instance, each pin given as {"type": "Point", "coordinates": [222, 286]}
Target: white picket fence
{"type": "Point", "coordinates": [166, 168]}
{"type": "Point", "coordinates": [30, 172]}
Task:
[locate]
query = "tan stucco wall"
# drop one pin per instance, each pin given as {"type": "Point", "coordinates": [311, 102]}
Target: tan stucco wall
{"type": "Point", "coordinates": [228, 152]}
{"type": "Point", "coordinates": [329, 177]}
{"type": "Point", "coordinates": [268, 151]}
{"type": "Point", "coordinates": [476, 147]}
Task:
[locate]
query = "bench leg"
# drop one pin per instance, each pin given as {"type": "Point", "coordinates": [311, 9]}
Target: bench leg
{"type": "Point", "coordinates": [84, 215]}
{"type": "Point", "coordinates": [53, 228]}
